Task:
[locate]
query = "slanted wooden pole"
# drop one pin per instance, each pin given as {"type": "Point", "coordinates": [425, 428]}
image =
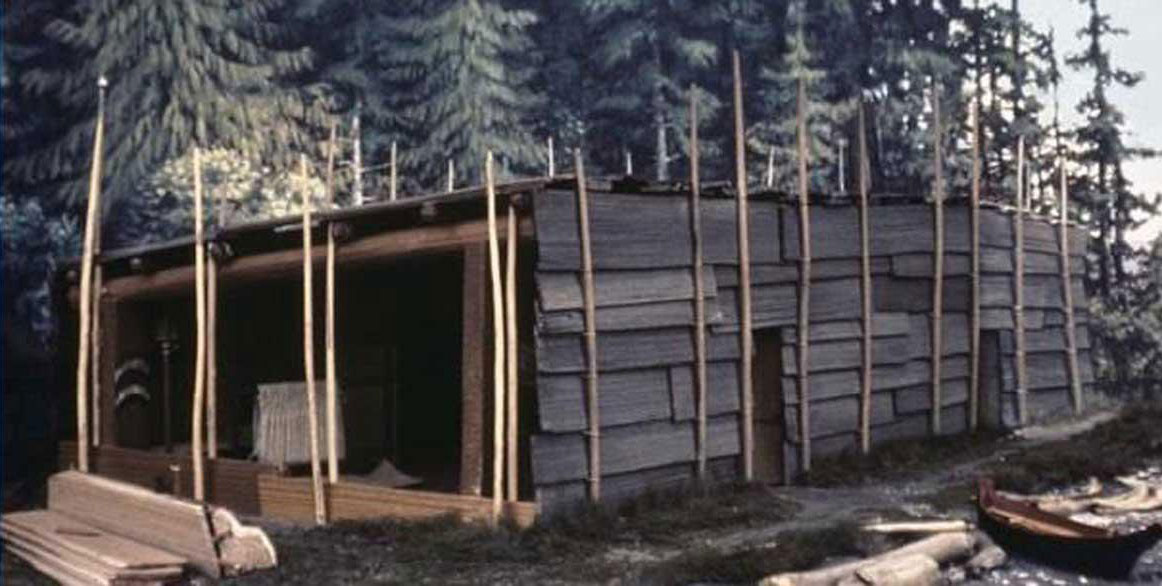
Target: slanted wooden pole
{"type": "Point", "coordinates": [1019, 286]}
{"type": "Point", "coordinates": [747, 336]}
{"type": "Point", "coordinates": [357, 158]}
{"type": "Point", "coordinates": [937, 340]}
{"type": "Point", "coordinates": [498, 350]}
{"type": "Point", "coordinates": [865, 291]}
{"type": "Point", "coordinates": [593, 412]}
{"type": "Point", "coordinates": [95, 339]}
{"type": "Point", "coordinates": [451, 175]}
{"type": "Point", "coordinates": [699, 290]}
{"type": "Point", "coordinates": [1067, 292]}
{"type": "Point", "coordinates": [309, 349]}
{"type": "Point", "coordinates": [552, 159]}
{"type": "Point", "coordinates": [197, 423]}
{"type": "Point", "coordinates": [974, 327]}
{"type": "Point", "coordinates": [804, 284]}
{"type": "Point", "coordinates": [511, 357]}
{"type": "Point", "coordinates": [394, 178]}
{"type": "Point", "coordinates": [84, 337]}
{"type": "Point", "coordinates": [329, 326]}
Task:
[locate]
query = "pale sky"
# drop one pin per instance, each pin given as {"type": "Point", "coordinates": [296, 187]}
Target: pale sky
{"type": "Point", "coordinates": [1141, 50]}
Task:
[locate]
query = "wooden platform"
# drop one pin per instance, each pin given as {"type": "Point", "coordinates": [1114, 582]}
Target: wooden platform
{"type": "Point", "coordinates": [256, 489]}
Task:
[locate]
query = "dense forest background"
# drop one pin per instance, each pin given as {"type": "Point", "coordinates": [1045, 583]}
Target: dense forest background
{"type": "Point", "coordinates": [257, 82]}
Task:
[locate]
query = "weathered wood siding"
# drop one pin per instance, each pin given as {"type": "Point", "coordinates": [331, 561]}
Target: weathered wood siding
{"type": "Point", "coordinates": [644, 297]}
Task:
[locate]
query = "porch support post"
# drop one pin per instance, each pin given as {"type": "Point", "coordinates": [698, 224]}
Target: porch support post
{"type": "Point", "coordinates": [472, 369]}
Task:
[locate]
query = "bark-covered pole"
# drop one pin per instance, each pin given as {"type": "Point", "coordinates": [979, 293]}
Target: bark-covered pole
{"type": "Point", "coordinates": [865, 288]}
{"type": "Point", "coordinates": [1067, 293]}
{"type": "Point", "coordinates": [1019, 285]}
{"type": "Point", "coordinates": [804, 332]}
{"type": "Point", "coordinates": [699, 290]}
{"type": "Point", "coordinates": [197, 423]}
{"type": "Point", "coordinates": [332, 380]}
{"type": "Point", "coordinates": [309, 349]}
{"type": "Point", "coordinates": [937, 339]}
{"type": "Point", "coordinates": [974, 220]}
{"type": "Point", "coordinates": [592, 407]}
{"type": "Point", "coordinates": [92, 227]}
{"type": "Point", "coordinates": [498, 339]}
{"type": "Point", "coordinates": [747, 336]}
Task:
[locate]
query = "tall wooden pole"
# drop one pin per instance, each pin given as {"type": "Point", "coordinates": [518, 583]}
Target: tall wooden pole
{"type": "Point", "coordinates": [394, 177]}
{"type": "Point", "coordinates": [211, 356]}
{"type": "Point", "coordinates": [1019, 285]}
{"type": "Point", "coordinates": [746, 376]}
{"type": "Point", "coordinates": [357, 157]}
{"type": "Point", "coordinates": [804, 284]}
{"type": "Point", "coordinates": [593, 411]}
{"type": "Point", "coordinates": [865, 287]}
{"type": "Point", "coordinates": [197, 422]}
{"type": "Point", "coordinates": [937, 260]}
{"type": "Point", "coordinates": [511, 356]}
{"type": "Point", "coordinates": [974, 333]}
{"type": "Point", "coordinates": [498, 350]}
{"type": "Point", "coordinates": [1067, 292]}
{"type": "Point", "coordinates": [699, 289]}
{"type": "Point", "coordinates": [309, 348]}
{"type": "Point", "coordinates": [86, 293]}
{"type": "Point", "coordinates": [332, 371]}
{"type": "Point", "coordinates": [552, 159]}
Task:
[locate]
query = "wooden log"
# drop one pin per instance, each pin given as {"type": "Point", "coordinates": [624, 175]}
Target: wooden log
{"type": "Point", "coordinates": [1067, 293]}
{"type": "Point", "coordinates": [511, 358]}
{"type": "Point", "coordinates": [320, 507]}
{"type": "Point", "coordinates": [937, 256]}
{"type": "Point", "coordinates": [865, 291]}
{"type": "Point", "coordinates": [974, 295]}
{"type": "Point", "coordinates": [907, 570]}
{"type": "Point", "coordinates": [941, 548]}
{"type": "Point", "coordinates": [332, 376]}
{"type": "Point", "coordinates": [92, 227]}
{"type": "Point", "coordinates": [933, 526]}
{"type": "Point", "coordinates": [804, 285]}
{"type": "Point", "coordinates": [1019, 285]}
{"type": "Point", "coordinates": [592, 410]}
{"type": "Point", "coordinates": [699, 291]}
{"type": "Point", "coordinates": [745, 334]}
{"type": "Point", "coordinates": [498, 350]}
{"type": "Point", "coordinates": [197, 421]}
{"type": "Point", "coordinates": [988, 558]}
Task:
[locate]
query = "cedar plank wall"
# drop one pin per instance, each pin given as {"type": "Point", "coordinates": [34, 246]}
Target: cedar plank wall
{"type": "Point", "coordinates": [644, 290]}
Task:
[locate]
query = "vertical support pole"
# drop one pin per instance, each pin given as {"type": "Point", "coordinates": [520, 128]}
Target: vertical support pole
{"type": "Point", "coordinates": [699, 289]}
{"type": "Point", "coordinates": [1067, 293]}
{"type": "Point", "coordinates": [357, 157]}
{"type": "Point", "coordinates": [511, 357]}
{"type": "Point", "coordinates": [865, 288]}
{"type": "Point", "coordinates": [472, 369]}
{"type": "Point", "coordinates": [196, 425]}
{"type": "Point", "coordinates": [1019, 286]}
{"type": "Point", "coordinates": [211, 355]}
{"type": "Point", "coordinates": [498, 350]}
{"type": "Point", "coordinates": [309, 348]}
{"type": "Point", "coordinates": [937, 338]}
{"type": "Point", "coordinates": [804, 284]}
{"type": "Point", "coordinates": [592, 404]}
{"type": "Point", "coordinates": [451, 175]}
{"type": "Point", "coordinates": [394, 179]}
{"type": "Point", "coordinates": [974, 326]}
{"type": "Point", "coordinates": [86, 294]}
{"type": "Point", "coordinates": [95, 342]}
{"type": "Point", "coordinates": [329, 325]}
{"type": "Point", "coordinates": [744, 290]}
{"type": "Point", "coordinates": [552, 160]}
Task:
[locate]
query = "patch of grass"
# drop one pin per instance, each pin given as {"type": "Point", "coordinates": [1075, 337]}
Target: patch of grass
{"type": "Point", "coordinates": [1113, 448]}
{"type": "Point", "coordinates": [900, 459]}
{"type": "Point", "coordinates": [793, 550]}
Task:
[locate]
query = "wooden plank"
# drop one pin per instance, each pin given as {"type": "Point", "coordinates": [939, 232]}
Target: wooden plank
{"type": "Point", "coordinates": [558, 291]}
{"type": "Point", "coordinates": [778, 305]}
{"type": "Point", "coordinates": [896, 229]}
{"type": "Point", "coordinates": [472, 370]}
{"type": "Point", "coordinates": [839, 415]}
{"type": "Point", "coordinates": [920, 265]}
{"type": "Point", "coordinates": [625, 318]}
{"type": "Point", "coordinates": [630, 350]}
{"type": "Point", "coordinates": [846, 354]}
{"type": "Point", "coordinates": [52, 530]}
{"type": "Point", "coordinates": [884, 325]}
{"type": "Point", "coordinates": [722, 396]}
{"type": "Point", "coordinates": [919, 399]}
{"type": "Point", "coordinates": [902, 295]}
{"type": "Point", "coordinates": [821, 270]}
{"type": "Point", "coordinates": [630, 396]}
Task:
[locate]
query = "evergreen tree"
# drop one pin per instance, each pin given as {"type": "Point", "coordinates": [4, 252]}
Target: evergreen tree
{"type": "Point", "coordinates": [180, 73]}
{"type": "Point", "coordinates": [462, 72]}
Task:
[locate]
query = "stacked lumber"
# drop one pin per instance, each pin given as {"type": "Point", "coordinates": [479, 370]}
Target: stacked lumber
{"type": "Point", "coordinates": [100, 531]}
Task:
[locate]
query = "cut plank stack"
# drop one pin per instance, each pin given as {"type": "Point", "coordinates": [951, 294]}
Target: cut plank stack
{"type": "Point", "coordinates": [100, 531]}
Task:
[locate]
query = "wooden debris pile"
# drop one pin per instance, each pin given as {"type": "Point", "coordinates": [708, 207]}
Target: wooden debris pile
{"type": "Point", "coordinates": [1141, 496]}
{"type": "Point", "coordinates": [99, 531]}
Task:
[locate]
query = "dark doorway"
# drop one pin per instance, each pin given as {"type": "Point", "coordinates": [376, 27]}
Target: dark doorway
{"type": "Point", "coordinates": [767, 369]}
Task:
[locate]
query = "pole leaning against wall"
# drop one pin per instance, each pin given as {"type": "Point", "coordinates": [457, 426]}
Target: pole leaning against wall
{"type": "Point", "coordinates": [865, 287]}
{"type": "Point", "coordinates": [592, 405]}
{"type": "Point", "coordinates": [744, 289]}
{"type": "Point", "coordinates": [1019, 286]}
{"type": "Point", "coordinates": [699, 290]}
{"type": "Point", "coordinates": [86, 294]}
{"type": "Point", "coordinates": [1067, 293]}
{"type": "Point", "coordinates": [498, 350]}
{"type": "Point", "coordinates": [309, 349]}
{"type": "Point", "coordinates": [974, 226]}
{"type": "Point", "coordinates": [332, 407]}
{"type": "Point", "coordinates": [804, 333]}
{"type": "Point", "coordinates": [937, 338]}
{"type": "Point", "coordinates": [197, 422]}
